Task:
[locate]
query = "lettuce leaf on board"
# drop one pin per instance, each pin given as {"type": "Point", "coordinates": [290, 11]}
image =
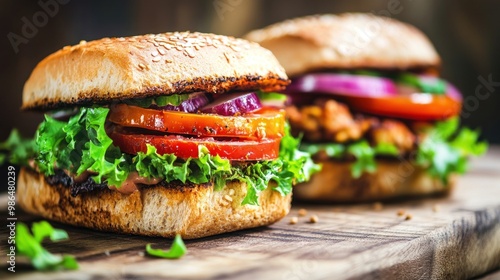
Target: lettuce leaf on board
{"type": "Point", "coordinates": [81, 144]}
{"type": "Point", "coordinates": [177, 250]}
{"type": "Point", "coordinates": [29, 244]}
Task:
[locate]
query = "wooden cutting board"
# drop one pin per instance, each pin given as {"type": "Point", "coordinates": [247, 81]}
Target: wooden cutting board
{"type": "Point", "coordinates": [451, 237]}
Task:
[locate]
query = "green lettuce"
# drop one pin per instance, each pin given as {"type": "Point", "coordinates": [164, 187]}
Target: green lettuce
{"type": "Point", "coordinates": [444, 151]}
{"type": "Point", "coordinates": [434, 85]}
{"type": "Point", "coordinates": [81, 144]}
{"type": "Point", "coordinates": [16, 149]}
{"type": "Point", "coordinates": [164, 100]}
{"type": "Point", "coordinates": [177, 250]}
{"type": "Point", "coordinates": [446, 148]}
{"type": "Point", "coordinates": [364, 154]}
{"type": "Point", "coordinates": [29, 244]}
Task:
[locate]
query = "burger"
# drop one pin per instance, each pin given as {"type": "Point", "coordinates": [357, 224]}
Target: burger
{"type": "Point", "coordinates": [367, 98]}
{"type": "Point", "coordinates": [159, 135]}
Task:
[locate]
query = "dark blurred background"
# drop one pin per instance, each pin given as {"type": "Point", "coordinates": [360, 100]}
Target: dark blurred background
{"type": "Point", "coordinates": [466, 34]}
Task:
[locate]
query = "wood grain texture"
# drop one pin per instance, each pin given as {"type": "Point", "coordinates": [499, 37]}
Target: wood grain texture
{"type": "Point", "coordinates": [460, 240]}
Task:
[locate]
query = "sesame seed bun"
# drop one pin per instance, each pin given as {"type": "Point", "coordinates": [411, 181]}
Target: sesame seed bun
{"type": "Point", "coordinates": [346, 41]}
{"type": "Point", "coordinates": [192, 211]}
{"type": "Point", "coordinates": [150, 65]}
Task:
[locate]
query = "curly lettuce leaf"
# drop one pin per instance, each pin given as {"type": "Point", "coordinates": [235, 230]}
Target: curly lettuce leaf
{"type": "Point", "coordinates": [49, 141]}
{"type": "Point", "coordinates": [293, 166]}
{"type": "Point", "coordinates": [29, 244]}
{"type": "Point", "coordinates": [195, 170]}
{"type": "Point", "coordinates": [446, 149]}
{"type": "Point", "coordinates": [81, 145]}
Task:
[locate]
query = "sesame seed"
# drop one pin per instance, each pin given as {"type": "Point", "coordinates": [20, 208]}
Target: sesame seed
{"type": "Point", "coordinates": [161, 51]}
{"type": "Point", "coordinates": [189, 52]}
{"type": "Point", "coordinates": [302, 212]}
{"type": "Point", "coordinates": [313, 219]}
{"type": "Point", "coordinates": [156, 59]}
{"type": "Point", "coordinates": [231, 192]}
{"type": "Point", "coordinates": [294, 220]}
{"type": "Point", "coordinates": [234, 48]}
{"type": "Point", "coordinates": [141, 66]}
{"type": "Point", "coordinates": [168, 61]}
{"type": "Point", "coordinates": [166, 46]}
{"type": "Point", "coordinates": [160, 40]}
{"type": "Point", "coordinates": [227, 58]}
{"type": "Point", "coordinates": [155, 53]}
{"type": "Point", "coordinates": [400, 212]}
{"type": "Point", "coordinates": [83, 42]}
{"type": "Point", "coordinates": [408, 217]}
{"type": "Point", "coordinates": [228, 198]}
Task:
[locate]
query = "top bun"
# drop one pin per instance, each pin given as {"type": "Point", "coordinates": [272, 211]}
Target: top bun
{"type": "Point", "coordinates": [150, 65]}
{"type": "Point", "coordinates": [346, 41]}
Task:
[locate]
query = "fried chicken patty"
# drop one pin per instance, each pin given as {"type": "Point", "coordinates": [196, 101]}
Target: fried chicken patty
{"type": "Point", "coordinates": [331, 121]}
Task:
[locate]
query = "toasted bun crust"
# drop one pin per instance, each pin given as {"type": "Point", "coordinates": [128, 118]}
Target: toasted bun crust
{"type": "Point", "coordinates": [193, 212]}
{"type": "Point", "coordinates": [150, 65]}
{"type": "Point", "coordinates": [392, 179]}
{"type": "Point", "coordinates": [346, 41]}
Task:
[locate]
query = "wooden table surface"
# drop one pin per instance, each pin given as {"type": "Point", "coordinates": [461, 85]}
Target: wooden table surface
{"type": "Point", "coordinates": [452, 237]}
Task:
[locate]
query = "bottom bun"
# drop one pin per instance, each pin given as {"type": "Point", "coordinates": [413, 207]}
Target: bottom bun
{"type": "Point", "coordinates": [193, 211]}
{"type": "Point", "coordinates": [392, 179]}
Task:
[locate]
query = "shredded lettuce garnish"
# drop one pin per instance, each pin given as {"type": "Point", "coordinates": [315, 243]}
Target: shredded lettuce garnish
{"type": "Point", "coordinates": [29, 244]}
{"type": "Point", "coordinates": [176, 251]}
{"type": "Point", "coordinates": [81, 144]}
{"type": "Point", "coordinates": [444, 151]}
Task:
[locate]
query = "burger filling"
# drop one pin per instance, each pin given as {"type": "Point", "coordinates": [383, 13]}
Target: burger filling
{"type": "Point", "coordinates": [359, 116]}
{"type": "Point", "coordinates": [182, 139]}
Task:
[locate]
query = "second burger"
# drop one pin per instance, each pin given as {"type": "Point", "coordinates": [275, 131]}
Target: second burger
{"type": "Point", "coordinates": [367, 98]}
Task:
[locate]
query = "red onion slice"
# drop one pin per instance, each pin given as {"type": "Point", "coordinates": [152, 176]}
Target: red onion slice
{"type": "Point", "coordinates": [234, 103]}
{"type": "Point", "coordinates": [196, 101]}
{"type": "Point", "coordinates": [345, 84]}
{"type": "Point", "coordinates": [453, 92]}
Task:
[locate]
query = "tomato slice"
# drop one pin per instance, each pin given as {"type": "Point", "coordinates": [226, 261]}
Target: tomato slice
{"type": "Point", "coordinates": [184, 147]}
{"type": "Point", "coordinates": [417, 106]}
{"type": "Point", "coordinates": [268, 123]}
